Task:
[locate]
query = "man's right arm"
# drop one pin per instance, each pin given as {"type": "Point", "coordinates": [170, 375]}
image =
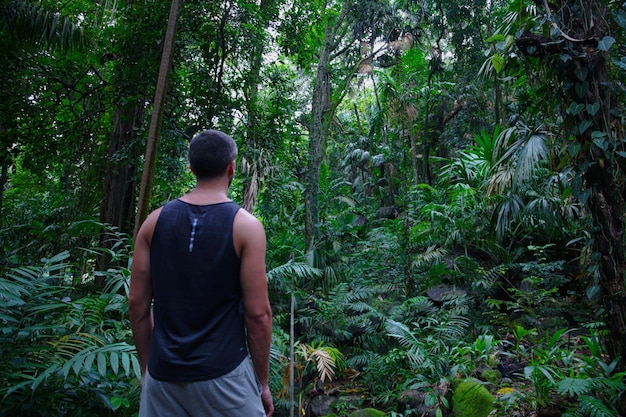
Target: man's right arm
{"type": "Point", "coordinates": [140, 296]}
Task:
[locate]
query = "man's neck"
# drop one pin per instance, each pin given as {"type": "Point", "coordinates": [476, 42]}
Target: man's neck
{"type": "Point", "coordinates": [207, 192]}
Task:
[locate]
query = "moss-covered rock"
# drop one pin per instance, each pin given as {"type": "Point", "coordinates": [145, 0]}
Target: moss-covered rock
{"type": "Point", "coordinates": [367, 412]}
{"type": "Point", "coordinates": [471, 399]}
{"type": "Point", "coordinates": [491, 375]}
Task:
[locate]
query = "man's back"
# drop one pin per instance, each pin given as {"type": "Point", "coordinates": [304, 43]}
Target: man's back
{"type": "Point", "coordinates": [199, 324]}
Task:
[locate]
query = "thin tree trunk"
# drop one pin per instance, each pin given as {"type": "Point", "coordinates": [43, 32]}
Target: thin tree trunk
{"type": "Point", "coordinates": [157, 117]}
{"type": "Point", "coordinates": [317, 140]}
{"type": "Point", "coordinates": [253, 78]}
{"type": "Point", "coordinates": [4, 174]}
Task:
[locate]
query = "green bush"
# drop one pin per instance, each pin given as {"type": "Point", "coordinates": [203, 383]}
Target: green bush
{"type": "Point", "coordinates": [65, 348]}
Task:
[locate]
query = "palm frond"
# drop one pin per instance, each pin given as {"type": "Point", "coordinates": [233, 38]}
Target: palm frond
{"type": "Point", "coordinates": [430, 255]}
{"type": "Point", "coordinates": [34, 24]}
{"type": "Point", "coordinates": [299, 272]}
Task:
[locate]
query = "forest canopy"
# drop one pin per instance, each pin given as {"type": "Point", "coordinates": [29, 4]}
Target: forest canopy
{"type": "Point", "coordinates": [441, 183]}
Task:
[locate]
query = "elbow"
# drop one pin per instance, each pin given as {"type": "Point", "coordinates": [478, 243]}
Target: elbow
{"type": "Point", "coordinates": [138, 311]}
{"type": "Point", "coordinates": [262, 318]}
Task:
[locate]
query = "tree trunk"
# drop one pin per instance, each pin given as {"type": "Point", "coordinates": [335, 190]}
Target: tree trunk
{"type": "Point", "coordinates": [119, 181]}
{"type": "Point", "coordinates": [598, 133]}
{"type": "Point", "coordinates": [4, 174]}
{"type": "Point", "coordinates": [317, 147]}
{"type": "Point", "coordinates": [118, 199]}
{"type": "Point", "coordinates": [157, 117]}
{"type": "Point", "coordinates": [251, 90]}
{"type": "Point", "coordinates": [323, 109]}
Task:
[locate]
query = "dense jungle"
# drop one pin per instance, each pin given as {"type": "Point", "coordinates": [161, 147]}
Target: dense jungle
{"type": "Point", "coordinates": [441, 183]}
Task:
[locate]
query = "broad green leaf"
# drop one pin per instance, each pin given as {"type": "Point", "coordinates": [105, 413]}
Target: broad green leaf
{"type": "Point", "coordinates": [583, 126]}
{"type": "Point", "coordinates": [498, 62]}
{"type": "Point", "coordinates": [575, 108]}
{"type": "Point", "coordinates": [581, 73]}
{"type": "Point", "coordinates": [621, 63]}
{"type": "Point", "coordinates": [582, 88]}
{"type": "Point", "coordinates": [102, 364]}
{"type": "Point", "coordinates": [606, 43]}
{"type": "Point", "coordinates": [601, 143]}
{"type": "Point", "coordinates": [593, 108]}
{"type": "Point", "coordinates": [126, 363]}
{"type": "Point", "coordinates": [115, 362]}
{"type": "Point", "coordinates": [620, 18]}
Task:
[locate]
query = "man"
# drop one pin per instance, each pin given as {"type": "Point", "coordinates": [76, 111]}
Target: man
{"type": "Point", "coordinates": [204, 343]}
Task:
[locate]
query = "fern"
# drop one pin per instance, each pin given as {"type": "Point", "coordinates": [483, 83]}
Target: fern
{"type": "Point", "coordinates": [574, 387]}
{"type": "Point", "coordinates": [56, 343]}
{"type": "Point", "coordinates": [282, 276]}
{"type": "Point", "coordinates": [593, 407]}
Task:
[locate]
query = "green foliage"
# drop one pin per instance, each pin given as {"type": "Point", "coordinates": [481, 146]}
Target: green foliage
{"type": "Point", "coordinates": [63, 347]}
{"type": "Point", "coordinates": [433, 332]}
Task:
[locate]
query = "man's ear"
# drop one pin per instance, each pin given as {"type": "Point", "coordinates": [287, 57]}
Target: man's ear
{"type": "Point", "coordinates": [231, 168]}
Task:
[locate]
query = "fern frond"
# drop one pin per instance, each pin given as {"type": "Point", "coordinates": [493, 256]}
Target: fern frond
{"type": "Point", "coordinates": [593, 407]}
{"type": "Point", "coordinates": [432, 254]}
{"type": "Point", "coordinates": [574, 387]}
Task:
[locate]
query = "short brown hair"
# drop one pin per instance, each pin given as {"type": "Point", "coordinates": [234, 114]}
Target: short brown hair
{"type": "Point", "coordinates": [210, 152]}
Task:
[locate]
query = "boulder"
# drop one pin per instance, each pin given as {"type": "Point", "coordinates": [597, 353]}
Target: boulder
{"type": "Point", "coordinates": [320, 405]}
{"type": "Point", "coordinates": [471, 399]}
{"type": "Point", "coordinates": [367, 412]}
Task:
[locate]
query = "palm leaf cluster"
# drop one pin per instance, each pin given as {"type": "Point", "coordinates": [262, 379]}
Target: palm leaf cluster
{"type": "Point", "coordinates": [32, 23]}
{"type": "Point", "coordinates": [58, 342]}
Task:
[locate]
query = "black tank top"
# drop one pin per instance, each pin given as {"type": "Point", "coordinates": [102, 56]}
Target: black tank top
{"type": "Point", "coordinates": [199, 331]}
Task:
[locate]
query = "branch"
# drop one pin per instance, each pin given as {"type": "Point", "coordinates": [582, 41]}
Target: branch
{"type": "Point", "coordinates": [554, 25]}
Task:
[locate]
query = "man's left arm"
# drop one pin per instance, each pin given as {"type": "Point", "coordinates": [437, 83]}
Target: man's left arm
{"type": "Point", "coordinates": [251, 241]}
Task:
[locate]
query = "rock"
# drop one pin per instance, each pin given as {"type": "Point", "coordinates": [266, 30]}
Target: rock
{"type": "Point", "coordinates": [491, 375]}
{"type": "Point", "coordinates": [388, 212]}
{"type": "Point", "coordinates": [320, 405]}
{"type": "Point", "coordinates": [471, 399]}
{"type": "Point", "coordinates": [414, 399]}
{"type": "Point", "coordinates": [367, 412]}
{"type": "Point", "coordinates": [443, 292]}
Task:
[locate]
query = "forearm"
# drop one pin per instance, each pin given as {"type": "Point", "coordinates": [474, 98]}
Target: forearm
{"type": "Point", "coordinates": [259, 342]}
{"type": "Point", "coordinates": [142, 334]}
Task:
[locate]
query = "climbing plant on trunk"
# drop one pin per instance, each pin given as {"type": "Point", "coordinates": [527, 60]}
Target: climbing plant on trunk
{"type": "Point", "coordinates": [578, 45]}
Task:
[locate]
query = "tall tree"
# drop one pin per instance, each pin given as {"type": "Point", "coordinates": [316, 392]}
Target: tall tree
{"type": "Point", "coordinates": [257, 36]}
{"type": "Point", "coordinates": [135, 38]}
{"type": "Point", "coordinates": [25, 28]}
{"type": "Point", "coordinates": [579, 51]}
{"type": "Point", "coordinates": [332, 47]}
{"type": "Point", "coordinates": [157, 117]}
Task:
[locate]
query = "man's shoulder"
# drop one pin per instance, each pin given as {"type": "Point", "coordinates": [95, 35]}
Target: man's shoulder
{"type": "Point", "coordinates": [244, 217]}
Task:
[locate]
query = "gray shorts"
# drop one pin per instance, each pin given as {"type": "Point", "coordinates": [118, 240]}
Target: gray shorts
{"type": "Point", "coordinates": [236, 394]}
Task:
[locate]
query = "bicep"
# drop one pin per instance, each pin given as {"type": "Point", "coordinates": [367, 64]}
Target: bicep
{"type": "Point", "coordinates": [140, 280]}
{"type": "Point", "coordinates": [252, 242]}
